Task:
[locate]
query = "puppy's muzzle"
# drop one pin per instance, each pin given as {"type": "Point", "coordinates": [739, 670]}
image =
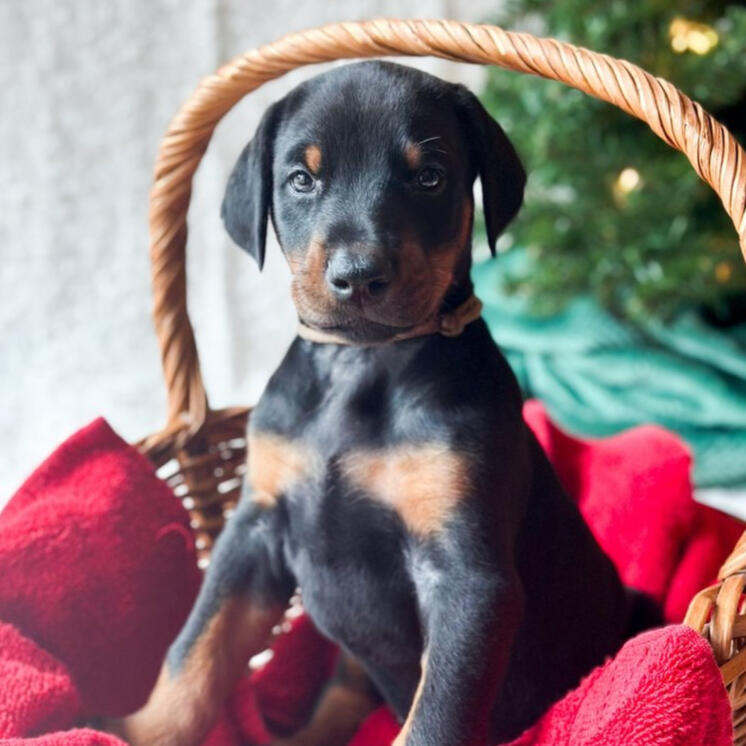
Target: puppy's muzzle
{"type": "Point", "coordinates": [358, 277]}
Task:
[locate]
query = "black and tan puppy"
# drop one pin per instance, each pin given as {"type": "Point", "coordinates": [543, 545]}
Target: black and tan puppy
{"type": "Point", "coordinates": [391, 475]}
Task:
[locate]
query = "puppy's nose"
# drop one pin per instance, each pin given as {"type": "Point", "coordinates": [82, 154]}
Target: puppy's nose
{"type": "Point", "coordinates": [351, 275]}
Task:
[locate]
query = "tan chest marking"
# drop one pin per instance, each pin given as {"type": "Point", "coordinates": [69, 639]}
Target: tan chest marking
{"type": "Point", "coordinates": [275, 465]}
{"type": "Point", "coordinates": [423, 483]}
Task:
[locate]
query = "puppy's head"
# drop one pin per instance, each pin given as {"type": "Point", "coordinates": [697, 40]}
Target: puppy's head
{"type": "Point", "coordinates": [367, 172]}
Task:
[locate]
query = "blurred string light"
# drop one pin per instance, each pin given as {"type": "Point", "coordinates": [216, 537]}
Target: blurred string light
{"type": "Point", "coordinates": [627, 181]}
{"type": "Point", "coordinates": [657, 212]}
{"type": "Point", "coordinates": [723, 272]}
{"type": "Point", "coordinates": [692, 36]}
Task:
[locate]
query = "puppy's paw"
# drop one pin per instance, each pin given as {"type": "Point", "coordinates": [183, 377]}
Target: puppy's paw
{"type": "Point", "coordinates": [306, 737]}
{"type": "Point", "coordinates": [137, 730]}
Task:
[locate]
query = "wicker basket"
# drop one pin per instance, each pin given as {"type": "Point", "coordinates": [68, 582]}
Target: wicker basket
{"type": "Point", "coordinates": [202, 452]}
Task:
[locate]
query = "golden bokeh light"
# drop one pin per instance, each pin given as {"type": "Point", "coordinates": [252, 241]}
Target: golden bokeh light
{"type": "Point", "coordinates": [692, 36]}
{"type": "Point", "coordinates": [628, 180]}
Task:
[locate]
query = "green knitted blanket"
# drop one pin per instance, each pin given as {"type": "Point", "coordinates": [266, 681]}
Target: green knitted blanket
{"type": "Point", "coordinates": [597, 375]}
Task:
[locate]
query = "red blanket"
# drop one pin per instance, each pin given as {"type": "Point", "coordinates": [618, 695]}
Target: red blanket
{"type": "Point", "coordinates": [99, 571]}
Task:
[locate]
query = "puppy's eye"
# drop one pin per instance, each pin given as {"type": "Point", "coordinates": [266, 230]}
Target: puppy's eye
{"type": "Point", "coordinates": [301, 181]}
{"type": "Point", "coordinates": [429, 178]}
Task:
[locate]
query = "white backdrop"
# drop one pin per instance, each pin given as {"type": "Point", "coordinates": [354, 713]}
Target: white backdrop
{"type": "Point", "coordinates": [87, 89]}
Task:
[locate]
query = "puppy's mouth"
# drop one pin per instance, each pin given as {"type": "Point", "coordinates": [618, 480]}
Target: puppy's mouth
{"type": "Point", "coordinates": [411, 299]}
{"type": "Point", "coordinates": [341, 326]}
{"type": "Point", "coordinates": [360, 330]}
{"type": "Point", "coordinates": [370, 322]}
{"type": "Point", "coordinates": [359, 321]}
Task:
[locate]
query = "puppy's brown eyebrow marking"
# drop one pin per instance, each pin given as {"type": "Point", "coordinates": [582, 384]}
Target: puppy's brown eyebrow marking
{"type": "Point", "coordinates": [423, 483]}
{"type": "Point", "coordinates": [312, 156]}
{"type": "Point", "coordinates": [413, 154]}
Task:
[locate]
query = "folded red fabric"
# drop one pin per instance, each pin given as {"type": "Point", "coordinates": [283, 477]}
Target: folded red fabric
{"type": "Point", "coordinates": [75, 737]}
{"type": "Point", "coordinates": [98, 567]}
{"type": "Point", "coordinates": [662, 689]}
{"type": "Point", "coordinates": [37, 693]}
{"type": "Point", "coordinates": [635, 493]}
{"type": "Point", "coordinates": [99, 573]}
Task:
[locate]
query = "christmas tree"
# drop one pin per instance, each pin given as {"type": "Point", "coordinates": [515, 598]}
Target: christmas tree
{"type": "Point", "coordinates": [610, 208]}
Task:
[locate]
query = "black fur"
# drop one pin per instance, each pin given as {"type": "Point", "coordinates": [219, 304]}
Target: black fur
{"type": "Point", "coordinates": [319, 106]}
{"type": "Point", "coordinates": [500, 170]}
{"type": "Point", "coordinates": [247, 198]}
{"type": "Point", "coordinates": [511, 599]}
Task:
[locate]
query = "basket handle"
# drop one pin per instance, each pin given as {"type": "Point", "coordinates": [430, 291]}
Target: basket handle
{"type": "Point", "coordinates": [682, 123]}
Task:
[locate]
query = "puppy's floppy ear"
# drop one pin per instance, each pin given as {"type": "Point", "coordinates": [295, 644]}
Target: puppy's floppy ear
{"type": "Point", "coordinates": [497, 163]}
{"type": "Point", "coordinates": [248, 195]}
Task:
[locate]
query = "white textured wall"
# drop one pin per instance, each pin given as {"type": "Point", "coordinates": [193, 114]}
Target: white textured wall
{"type": "Point", "coordinates": [86, 90]}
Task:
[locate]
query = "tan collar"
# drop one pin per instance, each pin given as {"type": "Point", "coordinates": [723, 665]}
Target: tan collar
{"type": "Point", "coordinates": [449, 324]}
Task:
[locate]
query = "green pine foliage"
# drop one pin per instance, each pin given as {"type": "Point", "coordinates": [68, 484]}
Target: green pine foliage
{"type": "Point", "coordinates": [663, 242]}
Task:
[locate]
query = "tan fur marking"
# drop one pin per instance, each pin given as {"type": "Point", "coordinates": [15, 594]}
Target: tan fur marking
{"type": "Point", "coordinates": [238, 630]}
{"type": "Point", "coordinates": [401, 739]}
{"type": "Point", "coordinates": [312, 156]}
{"type": "Point", "coordinates": [337, 718]}
{"type": "Point", "coordinates": [264, 499]}
{"type": "Point", "coordinates": [308, 286]}
{"type": "Point", "coordinates": [185, 703]}
{"type": "Point", "coordinates": [413, 155]}
{"type": "Point", "coordinates": [275, 465]}
{"type": "Point", "coordinates": [423, 483]}
{"type": "Point", "coordinates": [341, 709]}
{"type": "Point", "coordinates": [416, 292]}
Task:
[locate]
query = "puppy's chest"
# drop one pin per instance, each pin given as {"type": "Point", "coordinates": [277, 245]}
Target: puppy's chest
{"type": "Point", "coordinates": [362, 440]}
{"type": "Point", "coordinates": [360, 474]}
{"type": "Point", "coordinates": [326, 473]}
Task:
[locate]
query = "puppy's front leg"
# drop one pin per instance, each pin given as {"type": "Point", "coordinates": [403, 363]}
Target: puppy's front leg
{"type": "Point", "coordinates": [471, 607]}
{"type": "Point", "coordinates": [244, 594]}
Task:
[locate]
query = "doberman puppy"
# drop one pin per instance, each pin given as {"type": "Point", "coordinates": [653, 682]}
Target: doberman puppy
{"type": "Point", "coordinates": [391, 475]}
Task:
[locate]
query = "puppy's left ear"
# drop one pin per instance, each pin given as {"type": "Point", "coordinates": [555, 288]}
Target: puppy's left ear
{"type": "Point", "coordinates": [248, 195]}
{"type": "Point", "coordinates": [497, 163]}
